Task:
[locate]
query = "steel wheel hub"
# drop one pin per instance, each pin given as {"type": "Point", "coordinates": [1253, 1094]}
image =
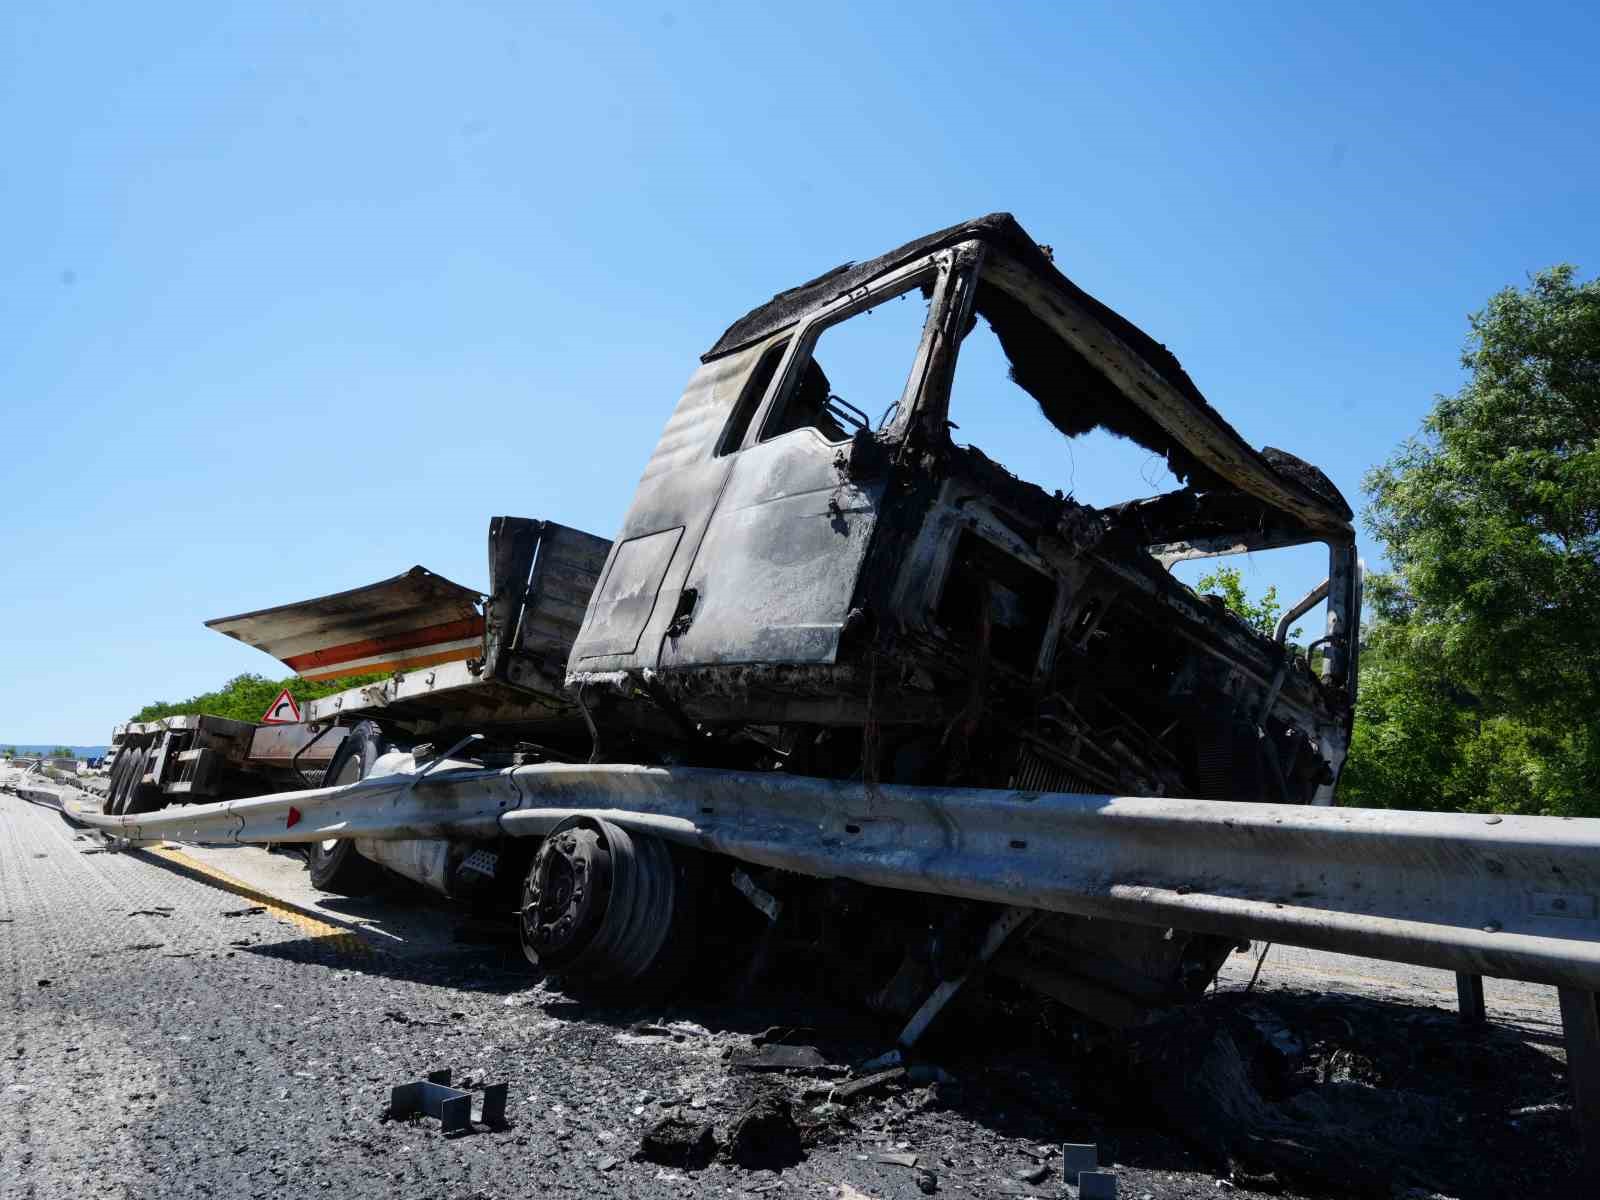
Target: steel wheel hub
{"type": "Point", "coordinates": [566, 895]}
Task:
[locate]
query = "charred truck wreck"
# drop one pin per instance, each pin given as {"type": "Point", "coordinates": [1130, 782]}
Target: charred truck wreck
{"type": "Point", "coordinates": [798, 585]}
{"type": "Point", "coordinates": [826, 582]}
{"type": "Point", "coordinates": [801, 587]}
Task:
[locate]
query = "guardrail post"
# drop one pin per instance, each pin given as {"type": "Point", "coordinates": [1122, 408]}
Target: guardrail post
{"type": "Point", "coordinates": [1469, 998]}
{"type": "Point", "coordinates": [1580, 1020]}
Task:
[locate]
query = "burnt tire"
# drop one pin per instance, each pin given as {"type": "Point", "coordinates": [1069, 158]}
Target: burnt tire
{"type": "Point", "coordinates": [336, 865]}
{"type": "Point", "coordinates": [611, 913]}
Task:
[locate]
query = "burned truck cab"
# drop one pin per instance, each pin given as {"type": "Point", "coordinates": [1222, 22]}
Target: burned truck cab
{"type": "Point", "coordinates": [817, 575]}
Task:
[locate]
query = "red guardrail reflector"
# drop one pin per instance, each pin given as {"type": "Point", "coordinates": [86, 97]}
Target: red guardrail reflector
{"type": "Point", "coordinates": [294, 817]}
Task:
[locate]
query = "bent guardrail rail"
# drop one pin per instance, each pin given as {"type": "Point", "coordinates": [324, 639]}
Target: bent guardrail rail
{"type": "Point", "coordinates": [1514, 897]}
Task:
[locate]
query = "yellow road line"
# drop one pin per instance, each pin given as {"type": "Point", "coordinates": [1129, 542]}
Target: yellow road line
{"type": "Point", "coordinates": [343, 940]}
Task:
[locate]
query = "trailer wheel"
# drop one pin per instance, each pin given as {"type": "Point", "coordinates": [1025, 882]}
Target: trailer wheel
{"type": "Point", "coordinates": [121, 800]}
{"type": "Point", "coordinates": [608, 910]}
{"type": "Point", "coordinates": [141, 797]}
{"type": "Point", "coordinates": [336, 865]}
{"type": "Point", "coordinates": [119, 771]}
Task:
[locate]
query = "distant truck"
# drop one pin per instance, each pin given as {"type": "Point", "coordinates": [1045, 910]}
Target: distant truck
{"type": "Point", "coordinates": [804, 589]}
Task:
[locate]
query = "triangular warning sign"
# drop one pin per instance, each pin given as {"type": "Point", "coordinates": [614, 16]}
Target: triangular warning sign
{"type": "Point", "coordinates": [282, 711]}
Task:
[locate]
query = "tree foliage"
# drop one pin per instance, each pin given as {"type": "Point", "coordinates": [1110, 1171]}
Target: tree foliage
{"type": "Point", "coordinates": [1481, 672]}
{"type": "Point", "coordinates": [1227, 584]}
{"type": "Point", "coordinates": [245, 697]}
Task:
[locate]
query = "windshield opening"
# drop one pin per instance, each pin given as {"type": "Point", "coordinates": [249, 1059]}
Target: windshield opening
{"type": "Point", "coordinates": [993, 414]}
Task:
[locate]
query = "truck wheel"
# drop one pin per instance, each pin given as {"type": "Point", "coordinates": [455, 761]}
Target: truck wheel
{"type": "Point", "coordinates": [607, 910]}
{"type": "Point", "coordinates": [336, 865]}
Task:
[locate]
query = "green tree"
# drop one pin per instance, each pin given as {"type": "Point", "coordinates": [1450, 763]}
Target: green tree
{"type": "Point", "coordinates": [61, 752]}
{"type": "Point", "coordinates": [1410, 721]}
{"type": "Point", "coordinates": [1482, 671]}
{"type": "Point", "coordinates": [1228, 585]}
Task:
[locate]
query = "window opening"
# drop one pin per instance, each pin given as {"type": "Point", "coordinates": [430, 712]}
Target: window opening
{"type": "Point", "coordinates": [1264, 584]}
{"type": "Point", "coordinates": [857, 366]}
{"type": "Point", "coordinates": [755, 390]}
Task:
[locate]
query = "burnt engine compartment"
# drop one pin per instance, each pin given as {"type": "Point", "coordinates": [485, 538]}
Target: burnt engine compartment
{"type": "Point", "coordinates": [1143, 687]}
{"type": "Point", "coordinates": [1055, 654]}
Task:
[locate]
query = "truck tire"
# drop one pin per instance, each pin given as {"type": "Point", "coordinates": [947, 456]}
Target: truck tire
{"type": "Point", "coordinates": [611, 913]}
{"type": "Point", "coordinates": [336, 865]}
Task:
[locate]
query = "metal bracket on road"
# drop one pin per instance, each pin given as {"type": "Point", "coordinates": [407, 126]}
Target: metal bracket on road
{"type": "Point", "coordinates": [434, 1097]}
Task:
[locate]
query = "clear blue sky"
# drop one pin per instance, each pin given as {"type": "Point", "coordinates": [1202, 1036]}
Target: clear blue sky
{"type": "Point", "coordinates": [295, 295]}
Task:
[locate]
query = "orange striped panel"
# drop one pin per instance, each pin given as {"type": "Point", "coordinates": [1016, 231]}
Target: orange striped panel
{"type": "Point", "coordinates": [429, 635]}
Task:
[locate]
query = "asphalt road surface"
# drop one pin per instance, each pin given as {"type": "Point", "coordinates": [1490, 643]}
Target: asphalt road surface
{"type": "Point", "coordinates": [201, 1022]}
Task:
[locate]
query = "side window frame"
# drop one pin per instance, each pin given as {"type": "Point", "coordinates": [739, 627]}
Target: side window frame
{"type": "Point", "coordinates": [804, 339]}
{"type": "Point", "coordinates": [752, 397]}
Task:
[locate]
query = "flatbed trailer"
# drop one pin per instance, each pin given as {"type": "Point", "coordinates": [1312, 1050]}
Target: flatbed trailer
{"type": "Point", "coordinates": [196, 758]}
{"type": "Point", "coordinates": [452, 657]}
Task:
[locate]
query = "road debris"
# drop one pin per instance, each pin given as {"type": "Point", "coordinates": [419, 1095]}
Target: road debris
{"type": "Point", "coordinates": [676, 1141]}
{"type": "Point", "coordinates": [776, 1056]}
{"type": "Point", "coordinates": [790, 1034]}
{"type": "Point", "coordinates": [1077, 1157]}
{"type": "Point", "coordinates": [434, 1097]}
{"type": "Point", "coordinates": [253, 910]}
{"type": "Point", "coordinates": [1216, 1076]}
{"type": "Point", "coordinates": [764, 1135]}
{"type": "Point", "coordinates": [844, 1093]}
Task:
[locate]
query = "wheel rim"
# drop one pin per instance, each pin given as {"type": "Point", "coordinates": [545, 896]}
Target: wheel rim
{"type": "Point", "coordinates": [598, 902]}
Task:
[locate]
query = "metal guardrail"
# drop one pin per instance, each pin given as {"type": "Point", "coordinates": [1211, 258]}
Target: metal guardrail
{"type": "Point", "coordinates": [32, 784]}
{"type": "Point", "coordinates": [1511, 897]}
